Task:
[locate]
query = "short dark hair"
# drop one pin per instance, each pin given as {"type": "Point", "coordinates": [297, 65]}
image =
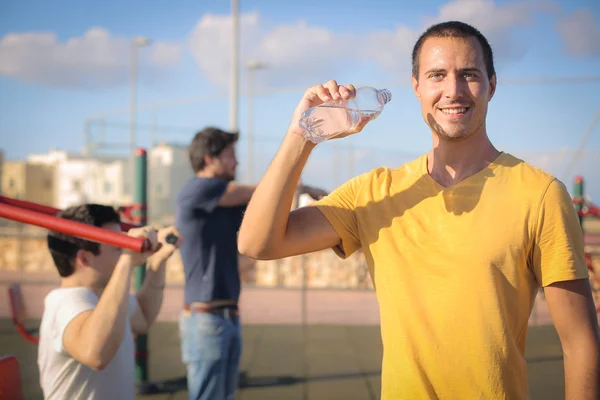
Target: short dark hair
{"type": "Point", "coordinates": [64, 248]}
{"type": "Point", "coordinates": [454, 29]}
{"type": "Point", "coordinates": [209, 141]}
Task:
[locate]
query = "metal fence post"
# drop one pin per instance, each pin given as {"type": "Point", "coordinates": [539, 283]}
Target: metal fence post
{"type": "Point", "coordinates": [140, 204]}
{"type": "Point", "coordinates": [578, 197]}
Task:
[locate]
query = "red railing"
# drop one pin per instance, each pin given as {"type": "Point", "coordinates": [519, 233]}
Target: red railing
{"type": "Point", "coordinates": [27, 205]}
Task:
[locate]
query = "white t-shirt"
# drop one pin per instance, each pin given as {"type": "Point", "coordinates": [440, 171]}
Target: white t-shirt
{"type": "Point", "coordinates": [62, 376]}
{"type": "Point", "coordinates": [304, 200]}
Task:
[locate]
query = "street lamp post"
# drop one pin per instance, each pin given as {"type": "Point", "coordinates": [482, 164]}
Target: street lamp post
{"type": "Point", "coordinates": [137, 42]}
{"type": "Point", "coordinates": [235, 52]}
{"type": "Point", "coordinates": [137, 185]}
{"type": "Point", "coordinates": [251, 66]}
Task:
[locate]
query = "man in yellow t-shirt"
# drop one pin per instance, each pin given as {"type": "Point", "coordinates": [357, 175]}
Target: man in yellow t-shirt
{"type": "Point", "coordinates": [457, 241]}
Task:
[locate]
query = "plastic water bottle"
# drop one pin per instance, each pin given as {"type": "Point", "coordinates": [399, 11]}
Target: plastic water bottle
{"type": "Point", "coordinates": [334, 118]}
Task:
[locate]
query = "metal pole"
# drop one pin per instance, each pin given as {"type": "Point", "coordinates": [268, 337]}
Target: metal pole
{"type": "Point", "coordinates": [135, 43]}
{"type": "Point", "coordinates": [41, 208]}
{"type": "Point", "coordinates": [578, 197]}
{"type": "Point", "coordinates": [581, 147]}
{"type": "Point", "coordinates": [303, 288]}
{"type": "Point", "coordinates": [132, 88]}
{"type": "Point", "coordinates": [140, 199]}
{"type": "Point", "coordinates": [250, 125]}
{"type": "Point", "coordinates": [73, 228]}
{"type": "Point", "coordinates": [88, 137]}
{"type": "Point", "coordinates": [103, 129]}
{"type": "Point", "coordinates": [303, 311]}
{"type": "Point", "coordinates": [251, 66]}
{"type": "Point", "coordinates": [234, 86]}
{"type": "Point", "coordinates": [153, 129]}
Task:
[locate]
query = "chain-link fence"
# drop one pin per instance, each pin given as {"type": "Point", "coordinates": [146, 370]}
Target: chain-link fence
{"type": "Point", "coordinates": [24, 253]}
{"type": "Point", "coordinates": [561, 143]}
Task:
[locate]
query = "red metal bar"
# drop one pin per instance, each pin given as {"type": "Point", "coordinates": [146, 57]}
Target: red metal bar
{"type": "Point", "coordinates": [18, 323]}
{"type": "Point", "coordinates": [46, 209]}
{"type": "Point", "coordinates": [73, 228]}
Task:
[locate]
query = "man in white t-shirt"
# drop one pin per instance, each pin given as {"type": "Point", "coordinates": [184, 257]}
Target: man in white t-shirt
{"type": "Point", "coordinates": [86, 348]}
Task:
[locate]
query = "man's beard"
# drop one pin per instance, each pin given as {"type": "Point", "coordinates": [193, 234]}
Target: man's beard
{"type": "Point", "coordinates": [228, 177]}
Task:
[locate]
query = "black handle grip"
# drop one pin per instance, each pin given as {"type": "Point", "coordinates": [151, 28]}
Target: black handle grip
{"type": "Point", "coordinates": [171, 238]}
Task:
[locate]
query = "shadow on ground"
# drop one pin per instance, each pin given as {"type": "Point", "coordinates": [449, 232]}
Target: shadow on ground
{"type": "Point", "coordinates": [293, 362]}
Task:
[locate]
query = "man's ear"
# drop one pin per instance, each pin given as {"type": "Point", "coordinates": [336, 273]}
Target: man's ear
{"type": "Point", "coordinates": [207, 160]}
{"type": "Point", "coordinates": [82, 258]}
{"type": "Point", "coordinates": [492, 87]}
{"type": "Point", "coordinates": [415, 86]}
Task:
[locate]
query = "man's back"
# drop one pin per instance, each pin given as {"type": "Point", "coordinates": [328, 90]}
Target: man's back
{"type": "Point", "coordinates": [209, 251]}
{"type": "Point", "coordinates": [62, 376]}
{"type": "Point", "coordinates": [456, 270]}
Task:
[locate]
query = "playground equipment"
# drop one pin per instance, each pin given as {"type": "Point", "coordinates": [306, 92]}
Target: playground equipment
{"type": "Point", "coordinates": [587, 209]}
{"type": "Point", "coordinates": [140, 199]}
{"type": "Point", "coordinates": [73, 228]}
{"type": "Point", "coordinates": [45, 216]}
{"type": "Point", "coordinates": [10, 378]}
{"type": "Point", "coordinates": [19, 314]}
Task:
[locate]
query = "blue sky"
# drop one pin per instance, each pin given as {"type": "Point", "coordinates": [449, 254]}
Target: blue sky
{"type": "Point", "coordinates": [62, 63]}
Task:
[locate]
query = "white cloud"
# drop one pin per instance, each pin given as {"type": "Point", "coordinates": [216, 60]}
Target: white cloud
{"type": "Point", "coordinates": [496, 22]}
{"type": "Point", "coordinates": [291, 50]}
{"type": "Point", "coordinates": [93, 60]}
{"type": "Point", "coordinates": [300, 53]}
{"type": "Point", "coordinates": [580, 33]}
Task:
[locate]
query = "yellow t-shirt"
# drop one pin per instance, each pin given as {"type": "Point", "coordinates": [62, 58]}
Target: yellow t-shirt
{"type": "Point", "coordinates": [456, 270]}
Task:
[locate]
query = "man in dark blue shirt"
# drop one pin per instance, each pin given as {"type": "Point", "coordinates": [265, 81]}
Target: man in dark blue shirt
{"type": "Point", "coordinates": [209, 214]}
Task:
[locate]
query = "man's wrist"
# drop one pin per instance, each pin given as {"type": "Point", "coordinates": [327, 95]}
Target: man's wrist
{"type": "Point", "coordinates": [127, 260]}
{"type": "Point", "coordinates": [297, 136]}
{"type": "Point", "coordinates": [159, 259]}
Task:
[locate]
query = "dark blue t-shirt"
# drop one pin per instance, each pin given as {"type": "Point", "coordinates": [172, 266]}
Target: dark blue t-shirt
{"type": "Point", "coordinates": [209, 250]}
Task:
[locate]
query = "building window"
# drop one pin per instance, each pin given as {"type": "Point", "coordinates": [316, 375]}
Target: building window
{"type": "Point", "coordinates": [11, 183]}
{"type": "Point", "coordinates": [107, 187]}
{"type": "Point", "coordinates": [76, 185]}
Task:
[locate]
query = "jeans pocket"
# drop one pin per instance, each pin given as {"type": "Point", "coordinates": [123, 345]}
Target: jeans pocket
{"type": "Point", "coordinates": [202, 337]}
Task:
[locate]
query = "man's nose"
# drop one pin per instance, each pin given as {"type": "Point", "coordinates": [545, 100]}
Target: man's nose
{"type": "Point", "coordinates": [454, 87]}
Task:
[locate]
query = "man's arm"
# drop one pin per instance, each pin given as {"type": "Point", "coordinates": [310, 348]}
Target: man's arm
{"type": "Point", "coordinates": [150, 295]}
{"type": "Point", "coordinates": [574, 315]}
{"type": "Point", "coordinates": [236, 195]}
{"type": "Point", "coordinates": [93, 337]}
{"type": "Point", "coordinates": [239, 195]}
{"type": "Point", "coordinates": [269, 230]}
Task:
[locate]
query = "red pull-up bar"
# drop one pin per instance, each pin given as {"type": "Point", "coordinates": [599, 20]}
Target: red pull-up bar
{"type": "Point", "coordinates": [46, 209]}
{"type": "Point", "coordinates": [73, 228]}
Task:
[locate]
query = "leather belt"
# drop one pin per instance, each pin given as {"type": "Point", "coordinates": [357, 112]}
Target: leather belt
{"type": "Point", "coordinates": [230, 311]}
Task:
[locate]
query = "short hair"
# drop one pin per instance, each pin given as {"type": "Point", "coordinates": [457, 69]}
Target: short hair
{"type": "Point", "coordinates": [209, 141]}
{"type": "Point", "coordinates": [454, 29]}
{"type": "Point", "coordinates": [64, 248]}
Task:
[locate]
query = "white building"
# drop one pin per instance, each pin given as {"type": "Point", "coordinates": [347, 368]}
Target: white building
{"type": "Point", "coordinates": [168, 170]}
{"type": "Point", "coordinates": [79, 179]}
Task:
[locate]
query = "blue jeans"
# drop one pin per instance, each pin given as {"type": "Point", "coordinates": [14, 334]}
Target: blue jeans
{"type": "Point", "coordinates": [211, 348]}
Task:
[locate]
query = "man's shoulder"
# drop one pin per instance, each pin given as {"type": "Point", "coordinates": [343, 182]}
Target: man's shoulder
{"type": "Point", "coordinates": [63, 304]}
{"type": "Point", "coordinates": [386, 176]}
{"type": "Point", "coordinates": [198, 185]}
{"type": "Point", "coordinates": [524, 173]}
{"type": "Point", "coordinates": [59, 294]}
{"type": "Point", "coordinates": [66, 299]}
